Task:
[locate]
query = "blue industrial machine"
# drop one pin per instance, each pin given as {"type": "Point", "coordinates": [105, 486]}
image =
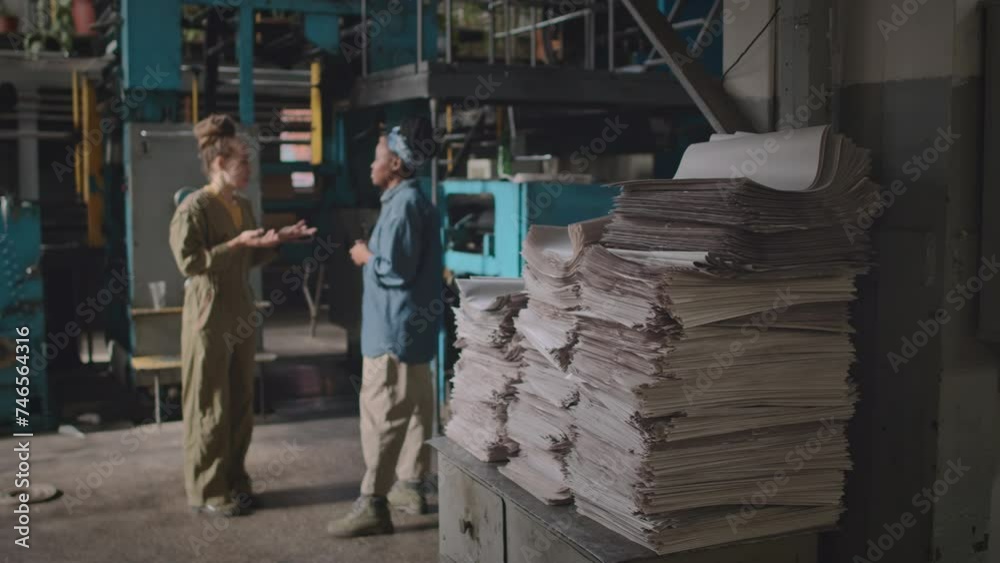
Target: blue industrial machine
{"type": "Point", "coordinates": [379, 61]}
{"type": "Point", "coordinates": [485, 222]}
{"type": "Point", "coordinates": [23, 338]}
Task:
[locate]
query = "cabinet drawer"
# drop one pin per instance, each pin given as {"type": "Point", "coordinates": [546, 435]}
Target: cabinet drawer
{"type": "Point", "coordinates": [471, 518]}
{"type": "Point", "coordinates": [528, 541]}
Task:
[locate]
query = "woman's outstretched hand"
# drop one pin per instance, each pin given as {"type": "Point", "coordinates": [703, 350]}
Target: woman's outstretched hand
{"type": "Point", "coordinates": [256, 238]}
{"type": "Point", "coordinates": [270, 239]}
{"type": "Point", "coordinates": [245, 238]}
{"type": "Point", "coordinates": [296, 231]}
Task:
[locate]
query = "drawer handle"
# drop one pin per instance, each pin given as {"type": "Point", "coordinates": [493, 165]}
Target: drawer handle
{"type": "Point", "coordinates": [465, 526]}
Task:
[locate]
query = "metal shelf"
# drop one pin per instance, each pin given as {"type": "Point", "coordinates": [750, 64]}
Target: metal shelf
{"type": "Point", "coordinates": [519, 85]}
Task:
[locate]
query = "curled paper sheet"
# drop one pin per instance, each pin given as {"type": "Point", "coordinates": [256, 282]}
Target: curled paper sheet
{"type": "Point", "coordinates": [712, 343]}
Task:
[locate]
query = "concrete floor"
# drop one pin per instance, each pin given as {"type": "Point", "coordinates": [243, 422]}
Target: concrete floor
{"type": "Point", "coordinates": [306, 472]}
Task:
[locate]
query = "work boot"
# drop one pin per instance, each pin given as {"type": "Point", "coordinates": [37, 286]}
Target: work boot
{"type": "Point", "coordinates": [408, 497]}
{"type": "Point", "coordinates": [369, 516]}
{"type": "Point", "coordinates": [246, 499]}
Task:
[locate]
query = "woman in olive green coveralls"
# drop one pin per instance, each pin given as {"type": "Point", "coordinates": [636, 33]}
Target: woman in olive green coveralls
{"type": "Point", "coordinates": [215, 241]}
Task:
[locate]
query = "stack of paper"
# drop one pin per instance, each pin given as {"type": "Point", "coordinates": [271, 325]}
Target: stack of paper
{"type": "Point", "coordinates": [540, 417]}
{"type": "Point", "coordinates": [488, 367]}
{"type": "Point", "coordinates": [713, 345]}
{"type": "Point", "coordinates": [775, 202]}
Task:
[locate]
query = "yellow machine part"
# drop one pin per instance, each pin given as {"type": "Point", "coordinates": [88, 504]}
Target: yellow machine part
{"type": "Point", "coordinates": [78, 149]}
{"type": "Point", "coordinates": [316, 105]}
{"type": "Point", "coordinates": [90, 155]}
{"type": "Point", "coordinates": [194, 99]}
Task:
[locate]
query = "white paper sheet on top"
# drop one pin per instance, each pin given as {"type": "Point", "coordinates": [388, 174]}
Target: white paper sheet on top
{"type": "Point", "coordinates": [482, 292]}
{"type": "Point", "coordinates": [786, 160]}
{"type": "Point", "coordinates": [555, 240]}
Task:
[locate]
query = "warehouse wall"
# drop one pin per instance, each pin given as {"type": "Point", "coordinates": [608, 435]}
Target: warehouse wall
{"type": "Point", "coordinates": [751, 80]}
{"type": "Point", "coordinates": [907, 75]}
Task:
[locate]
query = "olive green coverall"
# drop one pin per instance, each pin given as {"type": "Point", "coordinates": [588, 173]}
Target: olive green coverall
{"type": "Point", "coordinates": [217, 363]}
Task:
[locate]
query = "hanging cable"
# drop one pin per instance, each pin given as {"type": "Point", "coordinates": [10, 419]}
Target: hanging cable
{"type": "Point", "coordinates": [759, 33]}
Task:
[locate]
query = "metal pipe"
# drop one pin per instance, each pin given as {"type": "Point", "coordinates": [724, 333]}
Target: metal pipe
{"type": "Point", "coordinates": [687, 24]}
{"type": "Point", "coordinates": [420, 34]}
{"type": "Point", "coordinates": [245, 56]}
{"type": "Point", "coordinates": [34, 134]}
{"type": "Point", "coordinates": [611, 35]}
{"type": "Point", "coordinates": [447, 31]}
{"type": "Point", "coordinates": [364, 41]}
{"type": "Point", "coordinates": [293, 83]}
{"type": "Point", "coordinates": [166, 134]}
{"type": "Point", "coordinates": [545, 23]}
{"type": "Point", "coordinates": [433, 103]}
{"type": "Point", "coordinates": [534, 32]}
{"type": "Point", "coordinates": [708, 21]}
{"type": "Point", "coordinates": [591, 33]}
{"type": "Point", "coordinates": [508, 45]}
{"type": "Point", "coordinates": [678, 4]}
{"type": "Point", "coordinates": [491, 51]}
{"type": "Point", "coordinates": [257, 72]}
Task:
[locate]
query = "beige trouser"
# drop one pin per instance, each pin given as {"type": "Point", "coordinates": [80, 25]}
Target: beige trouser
{"type": "Point", "coordinates": [397, 410]}
{"type": "Point", "coordinates": [217, 389]}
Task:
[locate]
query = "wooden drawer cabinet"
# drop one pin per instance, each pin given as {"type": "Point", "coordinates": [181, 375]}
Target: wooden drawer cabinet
{"type": "Point", "coordinates": [485, 518]}
{"type": "Point", "coordinates": [471, 520]}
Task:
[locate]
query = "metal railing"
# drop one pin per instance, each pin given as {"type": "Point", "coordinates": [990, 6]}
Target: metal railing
{"type": "Point", "coordinates": [587, 11]}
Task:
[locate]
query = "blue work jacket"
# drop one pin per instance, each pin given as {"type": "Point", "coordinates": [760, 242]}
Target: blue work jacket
{"type": "Point", "coordinates": [403, 302]}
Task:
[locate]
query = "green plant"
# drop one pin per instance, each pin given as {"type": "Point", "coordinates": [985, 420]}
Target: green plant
{"type": "Point", "coordinates": [54, 24]}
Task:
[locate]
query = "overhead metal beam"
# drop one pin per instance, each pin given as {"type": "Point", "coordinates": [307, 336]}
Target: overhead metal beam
{"type": "Point", "coordinates": [705, 90]}
{"type": "Point", "coordinates": [245, 59]}
{"type": "Point", "coordinates": [333, 7]}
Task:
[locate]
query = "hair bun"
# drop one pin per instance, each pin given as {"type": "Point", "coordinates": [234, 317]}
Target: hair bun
{"type": "Point", "coordinates": [213, 129]}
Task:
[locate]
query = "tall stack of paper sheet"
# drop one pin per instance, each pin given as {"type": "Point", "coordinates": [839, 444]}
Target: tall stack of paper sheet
{"type": "Point", "coordinates": [540, 419]}
{"type": "Point", "coordinates": [488, 366]}
{"type": "Point", "coordinates": [713, 344]}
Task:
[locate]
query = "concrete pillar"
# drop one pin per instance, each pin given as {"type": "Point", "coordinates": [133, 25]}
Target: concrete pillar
{"type": "Point", "coordinates": [906, 79]}
{"type": "Point", "coordinates": [910, 91]}
{"type": "Point", "coordinates": [751, 80]}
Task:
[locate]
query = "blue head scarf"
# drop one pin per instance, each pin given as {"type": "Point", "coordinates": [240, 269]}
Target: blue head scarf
{"type": "Point", "coordinates": [397, 144]}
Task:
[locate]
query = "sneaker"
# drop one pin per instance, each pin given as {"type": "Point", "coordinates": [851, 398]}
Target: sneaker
{"type": "Point", "coordinates": [227, 510]}
{"type": "Point", "coordinates": [368, 517]}
{"type": "Point", "coordinates": [408, 497]}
